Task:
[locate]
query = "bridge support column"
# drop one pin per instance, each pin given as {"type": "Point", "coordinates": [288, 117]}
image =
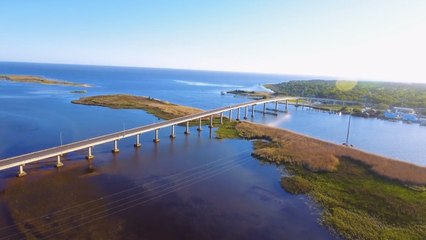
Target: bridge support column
{"type": "Point", "coordinates": [138, 141]}
{"type": "Point", "coordinates": [238, 114]}
{"type": "Point", "coordinates": [172, 134]}
{"type": "Point", "coordinates": [286, 105]}
{"type": "Point", "coordinates": [156, 139]}
{"type": "Point", "coordinates": [211, 122]}
{"type": "Point", "coordinates": [264, 108]}
{"type": "Point", "coordinates": [252, 110]}
{"type": "Point", "coordinates": [199, 126]}
{"type": "Point", "coordinates": [221, 118]}
{"type": "Point", "coordinates": [276, 106]}
{"type": "Point", "coordinates": [58, 162]}
{"type": "Point", "coordinates": [230, 115]}
{"type": "Point", "coordinates": [115, 149]}
{"type": "Point", "coordinates": [246, 112]}
{"type": "Point", "coordinates": [89, 155]}
{"type": "Point", "coordinates": [187, 128]}
{"type": "Point", "coordinates": [21, 171]}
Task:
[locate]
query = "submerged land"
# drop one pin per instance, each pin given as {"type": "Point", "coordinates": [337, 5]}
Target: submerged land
{"type": "Point", "coordinates": [39, 80]}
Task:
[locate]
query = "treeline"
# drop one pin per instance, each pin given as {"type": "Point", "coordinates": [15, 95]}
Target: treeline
{"type": "Point", "coordinates": [381, 94]}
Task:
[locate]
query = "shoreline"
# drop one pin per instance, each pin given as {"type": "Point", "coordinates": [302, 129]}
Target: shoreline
{"type": "Point", "coordinates": [362, 198]}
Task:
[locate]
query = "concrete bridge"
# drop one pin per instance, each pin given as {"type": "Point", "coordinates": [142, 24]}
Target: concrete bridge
{"type": "Point", "coordinates": [242, 109]}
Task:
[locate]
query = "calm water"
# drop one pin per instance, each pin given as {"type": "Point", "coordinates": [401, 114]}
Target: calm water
{"type": "Point", "coordinates": [195, 187]}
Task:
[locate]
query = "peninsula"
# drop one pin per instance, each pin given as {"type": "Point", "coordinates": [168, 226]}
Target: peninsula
{"type": "Point", "coordinates": [381, 95]}
{"type": "Point", "coordinates": [364, 196]}
{"type": "Point", "coordinates": [39, 80]}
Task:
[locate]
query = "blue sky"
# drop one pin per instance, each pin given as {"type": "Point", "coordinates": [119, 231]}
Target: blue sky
{"type": "Point", "coordinates": [369, 39]}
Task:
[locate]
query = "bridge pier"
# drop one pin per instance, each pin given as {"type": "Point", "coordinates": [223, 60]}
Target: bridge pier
{"type": "Point", "coordinates": [221, 118]}
{"type": "Point", "coordinates": [21, 171]}
{"type": "Point", "coordinates": [58, 162]}
{"type": "Point", "coordinates": [246, 112]}
{"type": "Point", "coordinates": [89, 155]}
{"type": "Point", "coordinates": [286, 105]}
{"type": "Point", "coordinates": [199, 126]}
{"type": "Point", "coordinates": [211, 121]}
{"type": "Point", "coordinates": [187, 128]}
{"type": "Point", "coordinates": [156, 139]}
{"type": "Point", "coordinates": [115, 149]}
{"type": "Point", "coordinates": [276, 106]}
{"type": "Point", "coordinates": [172, 134]}
{"type": "Point", "coordinates": [252, 110]}
{"type": "Point", "coordinates": [238, 114]}
{"type": "Point", "coordinates": [264, 108]}
{"type": "Point", "coordinates": [138, 141]}
{"type": "Point", "coordinates": [230, 115]}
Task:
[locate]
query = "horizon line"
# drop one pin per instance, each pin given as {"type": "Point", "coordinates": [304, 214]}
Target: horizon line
{"type": "Point", "coordinates": [330, 77]}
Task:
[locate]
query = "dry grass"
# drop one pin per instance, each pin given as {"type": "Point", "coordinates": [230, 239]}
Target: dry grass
{"type": "Point", "coordinates": [161, 109]}
{"type": "Point", "coordinates": [318, 155]}
{"type": "Point", "coordinates": [41, 80]}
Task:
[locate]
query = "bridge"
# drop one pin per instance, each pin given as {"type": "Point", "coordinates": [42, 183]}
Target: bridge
{"type": "Point", "coordinates": [58, 152]}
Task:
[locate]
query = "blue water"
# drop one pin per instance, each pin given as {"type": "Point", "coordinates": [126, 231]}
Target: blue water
{"type": "Point", "coordinates": [243, 202]}
{"type": "Point", "coordinates": [44, 110]}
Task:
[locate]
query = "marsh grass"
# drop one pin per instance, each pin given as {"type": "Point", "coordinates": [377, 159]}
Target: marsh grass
{"type": "Point", "coordinates": [364, 196]}
{"type": "Point", "coordinates": [361, 204]}
{"type": "Point", "coordinates": [318, 155]}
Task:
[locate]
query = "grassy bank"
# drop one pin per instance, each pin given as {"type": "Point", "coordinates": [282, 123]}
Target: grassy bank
{"type": "Point", "coordinates": [161, 109]}
{"type": "Point", "coordinates": [40, 80]}
{"type": "Point", "coordinates": [364, 196]}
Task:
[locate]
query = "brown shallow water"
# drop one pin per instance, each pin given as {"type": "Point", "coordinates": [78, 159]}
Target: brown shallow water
{"type": "Point", "coordinates": [194, 187]}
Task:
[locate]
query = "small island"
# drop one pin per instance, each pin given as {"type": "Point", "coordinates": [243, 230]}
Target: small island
{"type": "Point", "coordinates": [252, 94]}
{"type": "Point", "coordinates": [159, 108]}
{"type": "Point", "coordinates": [39, 80]}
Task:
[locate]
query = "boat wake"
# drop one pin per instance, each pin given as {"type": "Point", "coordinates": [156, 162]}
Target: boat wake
{"type": "Point", "coordinates": [204, 84]}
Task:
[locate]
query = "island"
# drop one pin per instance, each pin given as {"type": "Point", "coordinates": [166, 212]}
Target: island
{"type": "Point", "coordinates": [159, 108]}
{"type": "Point", "coordinates": [39, 80]}
{"type": "Point", "coordinates": [252, 94]}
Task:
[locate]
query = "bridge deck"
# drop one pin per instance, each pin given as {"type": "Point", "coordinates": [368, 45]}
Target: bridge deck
{"type": "Point", "coordinates": [75, 146]}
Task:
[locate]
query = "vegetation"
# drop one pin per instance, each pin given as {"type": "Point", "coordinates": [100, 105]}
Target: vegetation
{"type": "Point", "coordinates": [364, 196]}
{"type": "Point", "coordinates": [227, 130]}
{"type": "Point", "coordinates": [159, 108]}
{"type": "Point", "coordinates": [382, 94]}
{"type": "Point", "coordinates": [40, 80]}
{"type": "Point", "coordinates": [360, 204]}
{"type": "Point", "coordinates": [318, 156]}
{"type": "Point", "coordinates": [251, 94]}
